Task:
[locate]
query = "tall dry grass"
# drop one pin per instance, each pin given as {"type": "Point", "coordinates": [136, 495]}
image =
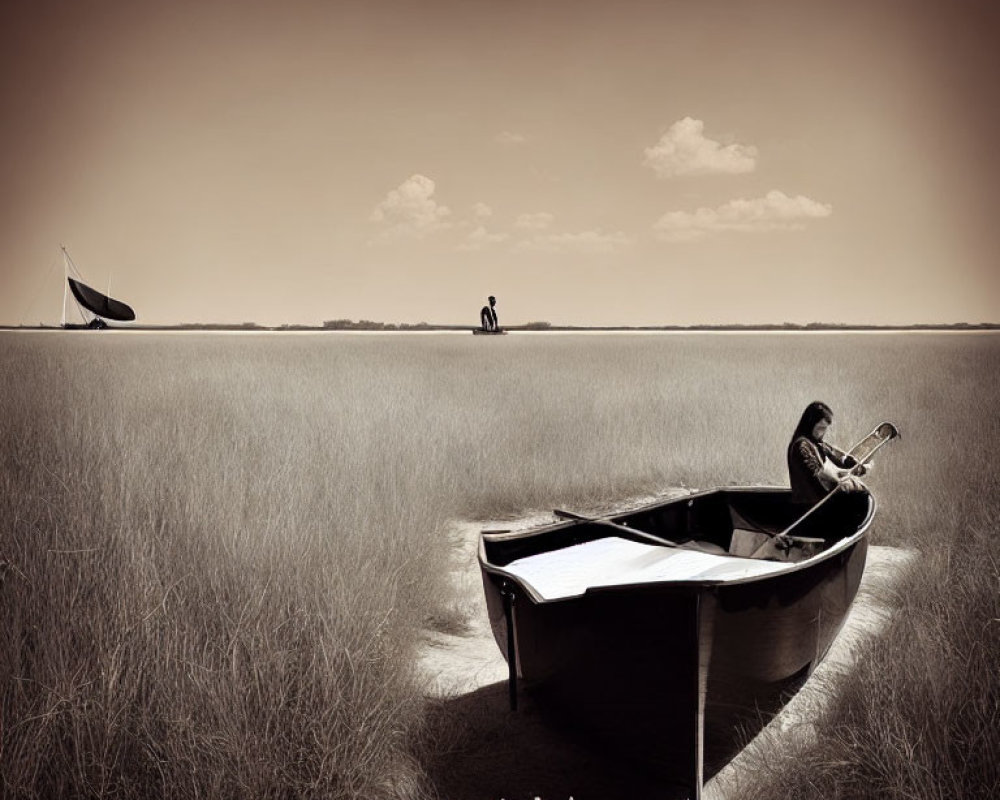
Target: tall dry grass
{"type": "Point", "coordinates": [222, 549]}
{"type": "Point", "coordinates": [920, 716]}
{"type": "Point", "coordinates": [213, 574]}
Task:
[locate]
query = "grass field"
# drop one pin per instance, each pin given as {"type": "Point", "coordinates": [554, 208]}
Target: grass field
{"type": "Point", "coordinates": [220, 550]}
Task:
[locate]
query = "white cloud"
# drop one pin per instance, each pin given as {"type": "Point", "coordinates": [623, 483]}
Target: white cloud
{"type": "Point", "coordinates": [583, 242]}
{"type": "Point", "coordinates": [479, 238]}
{"type": "Point", "coordinates": [774, 211]}
{"type": "Point", "coordinates": [685, 150]}
{"type": "Point", "coordinates": [410, 210]}
{"type": "Point", "coordinates": [534, 222]}
{"type": "Point", "coordinates": [510, 138]}
{"type": "Point", "coordinates": [481, 211]}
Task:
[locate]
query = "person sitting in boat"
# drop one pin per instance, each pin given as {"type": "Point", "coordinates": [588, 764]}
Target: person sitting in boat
{"type": "Point", "coordinates": [816, 468]}
{"type": "Point", "coordinates": [489, 315]}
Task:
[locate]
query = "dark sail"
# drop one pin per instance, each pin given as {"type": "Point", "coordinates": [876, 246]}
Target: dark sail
{"type": "Point", "coordinates": [99, 304]}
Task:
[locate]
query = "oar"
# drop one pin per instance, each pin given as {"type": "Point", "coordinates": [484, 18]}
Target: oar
{"type": "Point", "coordinates": [618, 527]}
{"type": "Point", "coordinates": [706, 547]}
{"type": "Point", "coordinates": [887, 431]}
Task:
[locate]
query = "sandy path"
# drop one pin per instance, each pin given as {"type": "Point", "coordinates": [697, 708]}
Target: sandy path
{"type": "Point", "coordinates": [493, 754]}
{"type": "Point", "coordinates": [792, 727]}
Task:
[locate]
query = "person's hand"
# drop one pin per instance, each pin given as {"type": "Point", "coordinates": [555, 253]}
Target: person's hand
{"type": "Point", "coordinates": [851, 484]}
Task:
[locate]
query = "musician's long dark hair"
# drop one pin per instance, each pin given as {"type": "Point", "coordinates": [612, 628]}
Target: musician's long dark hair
{"type": "Point", "coordinates": [815, 412]}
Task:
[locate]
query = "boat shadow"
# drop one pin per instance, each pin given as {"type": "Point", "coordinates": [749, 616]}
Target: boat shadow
{"type": "Point", "coordinates": [481, 750]}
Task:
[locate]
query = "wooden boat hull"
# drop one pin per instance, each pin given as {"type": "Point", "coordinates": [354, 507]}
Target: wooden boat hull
{"type": "Point", "coordinates": [675, 674]}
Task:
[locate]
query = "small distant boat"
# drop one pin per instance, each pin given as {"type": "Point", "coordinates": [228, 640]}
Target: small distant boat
{"type": "Point", "coordinates": [482, 332]}
{"type": "Point", "coordinates": [645, 630]}
{"type": "Point", "coordinates": [100, 306]}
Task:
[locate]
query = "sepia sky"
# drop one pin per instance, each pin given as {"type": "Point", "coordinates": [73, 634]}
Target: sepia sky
{"type": "Point", "coordinates": [591, 163]}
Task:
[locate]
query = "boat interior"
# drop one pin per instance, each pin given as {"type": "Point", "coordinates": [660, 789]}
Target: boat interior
{"type": "Point", "coordinates": [706, 518]}
{"type": "Point", "coordinates": [722, 535]}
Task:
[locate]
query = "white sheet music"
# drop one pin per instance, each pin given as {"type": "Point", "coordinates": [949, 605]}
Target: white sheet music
{"type": "Point", "coordinates": [613, 561]}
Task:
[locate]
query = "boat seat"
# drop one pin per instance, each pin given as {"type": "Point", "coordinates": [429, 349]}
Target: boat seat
{"type": "Point", "coordinates": [757, 544]}
{"type": "Point", "coordinates": [706, 547]}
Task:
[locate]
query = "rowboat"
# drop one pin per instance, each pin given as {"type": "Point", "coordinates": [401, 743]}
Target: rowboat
{"type": "Point", "coordinates": [647, 631]}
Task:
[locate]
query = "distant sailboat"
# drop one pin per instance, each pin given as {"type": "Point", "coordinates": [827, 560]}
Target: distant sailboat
{"type": "Point", "coordinates": [99, 306]}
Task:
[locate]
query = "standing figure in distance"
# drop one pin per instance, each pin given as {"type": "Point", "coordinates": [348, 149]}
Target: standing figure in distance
{"type": "Point", "coordinates": [489, 315]}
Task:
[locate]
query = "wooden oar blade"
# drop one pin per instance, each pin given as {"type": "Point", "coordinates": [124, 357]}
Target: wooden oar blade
{"type": "Point", "coordinates": [889, 431]}
{"type": "Point", "coordinates": [881, 434]}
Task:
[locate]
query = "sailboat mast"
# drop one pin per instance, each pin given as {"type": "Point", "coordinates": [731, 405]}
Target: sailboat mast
{"type": "Point", "coordinates": [65, 282]}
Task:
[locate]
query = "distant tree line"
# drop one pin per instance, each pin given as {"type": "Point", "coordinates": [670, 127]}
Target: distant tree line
{"type": "Point", "coordinates": [541, 325]}
{"type": "Point", "coordinates": [370, 325]}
